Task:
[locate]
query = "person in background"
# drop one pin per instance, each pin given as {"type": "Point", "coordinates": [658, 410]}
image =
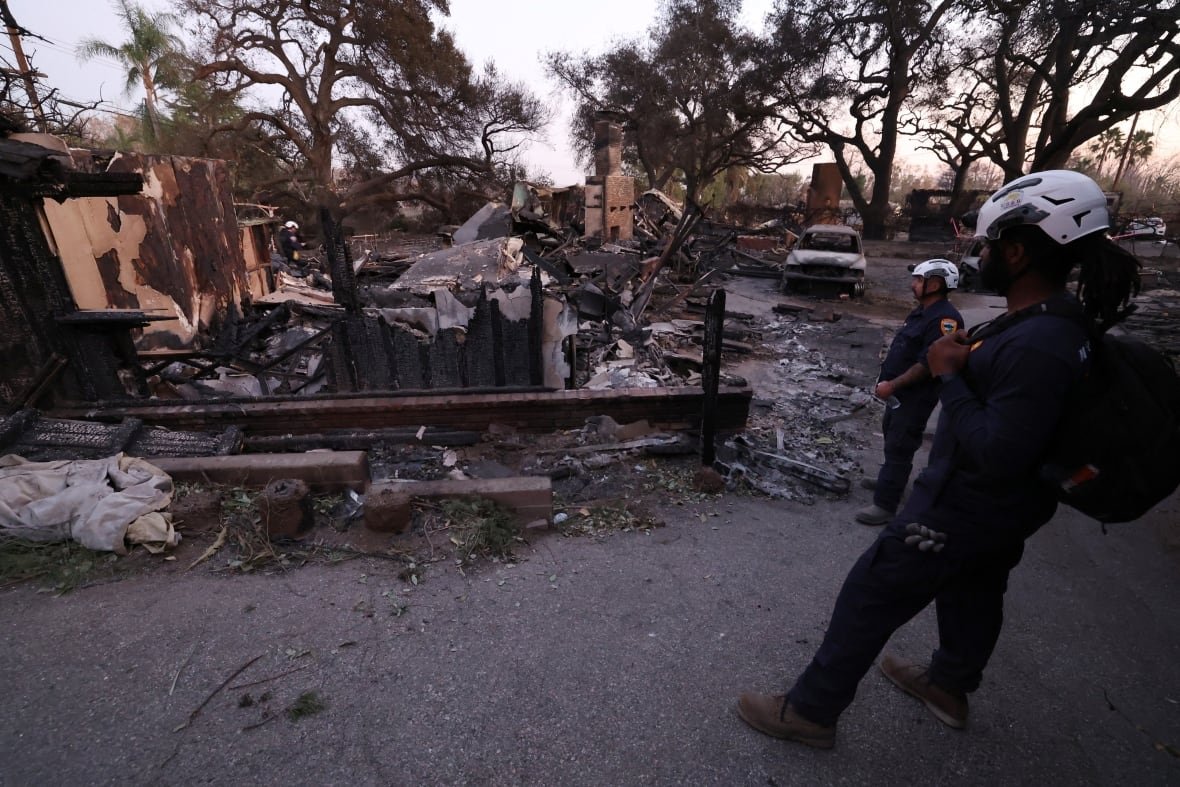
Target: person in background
{"type": "Point", "coordinates": [907, 387]}
{"type": "Point", "coordinates": [291, 244]}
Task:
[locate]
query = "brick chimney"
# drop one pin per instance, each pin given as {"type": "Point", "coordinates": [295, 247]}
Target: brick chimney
{"type": "Point", "coordinates": [608, 144]}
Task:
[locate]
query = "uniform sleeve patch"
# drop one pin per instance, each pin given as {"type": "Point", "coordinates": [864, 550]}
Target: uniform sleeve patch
{"type": "Point", "coordinates": [948, 326]}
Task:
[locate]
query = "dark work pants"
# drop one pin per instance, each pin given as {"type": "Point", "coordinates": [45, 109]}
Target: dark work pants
{"type": "Point", "coordinates": [903, 428]}
{"type": "Point", "coordinates": [889, 585]}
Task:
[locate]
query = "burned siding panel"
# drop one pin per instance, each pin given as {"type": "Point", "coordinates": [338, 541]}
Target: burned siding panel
{"type": "Point", "coordinates": [209, 211]}
{"type": "Point", "coordinates": [35, 298]}
{"type": "Point", "coordinates": [80, 233]}
{"type": "Point", "coordinates": [256, 256]}
{"type": "Point", "coordinates": [407, 358]}
{"type": "Point", "coordinates": [203, 232]}
{"type": "Point", "coordinates": [480, 347]}
{"type": "Point", "coordinates": [446, 360]}
{"type": "Point", "coordinates": [518, 360]}
{"type": "Point", "coordinates": [41, 329]}
{"type": "Point", "coordinates": [116, 296]}
{"type": "Point", "coordinates": [177, 247]}
{"type": "Point", "coordinates": [155, 261]}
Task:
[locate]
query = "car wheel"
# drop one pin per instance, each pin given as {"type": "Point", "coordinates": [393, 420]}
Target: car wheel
{"type": "Point", "coordinates": [858, 289]}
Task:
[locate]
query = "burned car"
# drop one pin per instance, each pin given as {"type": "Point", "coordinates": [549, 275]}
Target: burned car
{"type": "Point", "coordinates": [826, 256]}
{"type": "Point", "coordinates": [969, 262]}
{"type": "Point", "coordinates": [1152, 228]}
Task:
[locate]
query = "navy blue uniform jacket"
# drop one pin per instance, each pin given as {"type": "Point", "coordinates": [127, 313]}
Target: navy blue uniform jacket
{"type": "Point", "coordinates": [982, 484]}
{"type": "Point", "coordinates": [922, 327]}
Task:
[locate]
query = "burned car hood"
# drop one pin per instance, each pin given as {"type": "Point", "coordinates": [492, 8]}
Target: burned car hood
{"type": "Point", "coordinates": [834, 259]}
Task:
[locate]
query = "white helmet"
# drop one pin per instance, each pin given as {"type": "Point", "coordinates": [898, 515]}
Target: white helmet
{"type": "Point", "coordinates": [291, 225]}
{"type": "Point", "coordinates": [1065, 205]}
{"type": "Point", "coordinates": [939, 267]}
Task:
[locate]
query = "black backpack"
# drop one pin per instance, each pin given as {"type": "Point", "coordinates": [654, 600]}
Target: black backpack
{"type": "Point", "coordinates": [1116, 452]}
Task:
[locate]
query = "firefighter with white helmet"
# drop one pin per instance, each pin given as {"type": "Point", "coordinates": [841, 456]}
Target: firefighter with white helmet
{"type": "Point", "coordinates": [291, 244]}
{"type": "Point", "coordinates": [944, 269]}
{"type": "Point", "coordinates": [906, 386]}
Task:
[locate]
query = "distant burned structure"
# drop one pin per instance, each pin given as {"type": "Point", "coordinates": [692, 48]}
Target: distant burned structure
{"type": "Point", "coordinates": [823, 195]}
{"type": "Point", "coordinates": [932, 210]}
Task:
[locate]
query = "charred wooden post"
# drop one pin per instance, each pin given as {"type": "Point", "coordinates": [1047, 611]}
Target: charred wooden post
{"type": "Point", "coordinates": [339, 263]}
{"type": "Point", "coordinates": [536, 327]}
{"type": "Point", "coordinates": [711, 374]}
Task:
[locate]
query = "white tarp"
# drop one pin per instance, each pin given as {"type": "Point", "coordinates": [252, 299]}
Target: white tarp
{"type": "Point", "coordinates": [100, 503]}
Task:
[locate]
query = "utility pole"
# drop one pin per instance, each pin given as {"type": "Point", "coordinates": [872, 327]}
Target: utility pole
{"type": "Point", "coordinates": [14, 34]}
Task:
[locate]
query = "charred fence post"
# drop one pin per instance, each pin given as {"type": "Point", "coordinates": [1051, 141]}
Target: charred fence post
{"type": "Point", "coordinates": [536, 328]}
{"type": "Point", "coordinates": [358, 356]}
{"type": "Point", "coordinates": [711, 374]}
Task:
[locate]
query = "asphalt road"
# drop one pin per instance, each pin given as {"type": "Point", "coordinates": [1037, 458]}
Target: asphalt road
{"type": "Point", "coordinates": [612, 662]}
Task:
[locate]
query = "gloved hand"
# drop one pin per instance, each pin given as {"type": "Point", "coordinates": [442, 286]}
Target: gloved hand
{"type": "Point", "coordinates": [924, 538]}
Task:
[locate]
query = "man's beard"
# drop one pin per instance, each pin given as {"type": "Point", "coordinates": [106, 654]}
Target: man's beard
{"type": "Point", "coordinates": [994, 276]}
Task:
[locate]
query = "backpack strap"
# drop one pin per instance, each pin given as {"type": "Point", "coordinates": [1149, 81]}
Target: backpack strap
{"type": "Point", "coordinates": [1057, 307]}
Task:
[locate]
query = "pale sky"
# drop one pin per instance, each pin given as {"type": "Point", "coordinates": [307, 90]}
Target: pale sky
{"type": "Point", "coordinates": [513, 33]}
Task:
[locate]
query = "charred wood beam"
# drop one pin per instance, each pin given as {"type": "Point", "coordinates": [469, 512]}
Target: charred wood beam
{"type": "Point", "coordinates": [13, 426]}
{"type": "Point", "coordinates": [684, 228]}
{"type": "Point", "coordinates": [360, 440]}
{"type": "Point", "coordinates": [230, 441]}
{"type": "Point", "coordinates": [39, 384]}
{"type": "Point", "coordinates": [540, 411]}
{"type": "Point", "coordinates": [243, 342]}
{"type": "Point", "coordinates": [125, 434]}
{"type": "Point", "coordinates": [161, 365]}
{"type": "Point", "coordinates": [319, 375]}
{"type": "Point", "coordinates": [683, 296]}
{"type": "Point", "coordinates": [315, 337]}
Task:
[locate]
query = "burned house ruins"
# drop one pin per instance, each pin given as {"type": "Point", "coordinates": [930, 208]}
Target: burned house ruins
{"type": "Point", "coordinates": [135, 302]}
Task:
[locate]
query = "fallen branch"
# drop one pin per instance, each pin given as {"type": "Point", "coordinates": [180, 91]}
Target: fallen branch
{"type": "Point", "coordinates": [218, 543]}
{"type": "Point", "coordinates": [213, 693]}
{"type": "Point", "coordinates": [176, 677]}
{"type": "Point", "coordinates": [256, 725]}
{"type": "Point", "coordinates": [268, 680]}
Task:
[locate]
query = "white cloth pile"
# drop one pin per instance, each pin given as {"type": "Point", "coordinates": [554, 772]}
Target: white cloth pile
{"type": "Point", "coordinates": [103, 504]}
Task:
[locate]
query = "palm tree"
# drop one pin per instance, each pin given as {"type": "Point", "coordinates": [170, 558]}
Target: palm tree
{"type": "Point", "coordinates": [146, 55]}
{"type": "Point", "coordinates": [1107, 144]}
{"type": "Point", "coordinates": [1142, 146]}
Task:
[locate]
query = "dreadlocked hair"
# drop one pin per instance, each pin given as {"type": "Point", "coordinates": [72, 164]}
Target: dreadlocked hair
{"type": "Point", "coordinates": [1107, 278]}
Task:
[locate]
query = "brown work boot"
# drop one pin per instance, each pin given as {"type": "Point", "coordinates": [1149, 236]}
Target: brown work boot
{"type": "Point", "coordinates": [874, 515]}
{"type": "Point", "coordinates": [771, 714]}
{"type": "Point", "coordinates": [914, 679]}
